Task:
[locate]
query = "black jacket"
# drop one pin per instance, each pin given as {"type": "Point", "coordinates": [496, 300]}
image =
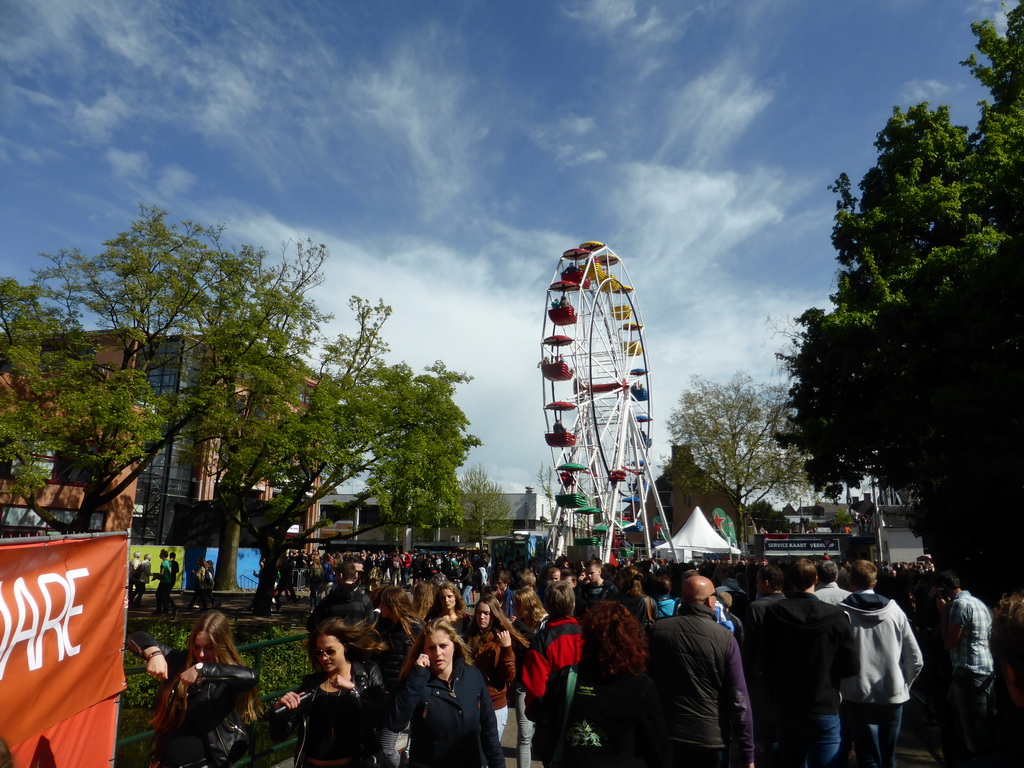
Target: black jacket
{"type": "Point", "coordinates": [393, 657]}
{"type": "Point", "coordinates": [696, 666]}
{"type": "Point", "coordinates": [360, 714]}
{"type": "Point", "coordinates": [347, 602]}
{"type": "Point", "coordinates": [613, 723]}
{"type": "Point", "coordinates": [587, 597]}
{"type": "Point", "coordinates": [807, 647]}
{"type": "Point", "coordinates": [450, 728]}
{"type": "Point", "coordinates": [213, 699]}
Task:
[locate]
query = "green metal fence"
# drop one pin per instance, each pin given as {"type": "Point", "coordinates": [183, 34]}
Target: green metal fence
{"type": "Point", "coordinates": [253, 756]}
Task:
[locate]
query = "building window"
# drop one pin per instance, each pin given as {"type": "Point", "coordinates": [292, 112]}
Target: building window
{"type": "Point", "coordinates": [57, 469]}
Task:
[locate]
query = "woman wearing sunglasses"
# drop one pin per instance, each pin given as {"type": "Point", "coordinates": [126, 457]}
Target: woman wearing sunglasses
{"type": "Point", "coordinates": [339, 709]}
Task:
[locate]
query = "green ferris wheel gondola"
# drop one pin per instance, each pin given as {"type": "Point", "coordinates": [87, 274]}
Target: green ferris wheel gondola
{"type": "Point", "coordinates": [571, 467]}
{"type": "Point", "coordinates": [571, 500]}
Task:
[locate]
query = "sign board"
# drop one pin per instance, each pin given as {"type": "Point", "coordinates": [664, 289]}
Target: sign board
{"type": "Point", "coordinates": [800, 545]}
{"type": "Point", "coordinates": [62, 612]}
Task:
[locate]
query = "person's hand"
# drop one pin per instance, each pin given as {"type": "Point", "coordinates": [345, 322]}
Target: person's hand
{"type": "Point", "coordinates": [342, 683]}
{"type": "Point", "coordinates": [505, 638]}
{"type": "Point", "coordinates": [190, 675]}
{"type": "Point", "coordinates": [157, 667]}
{"type": "Point", "coordinates": [423, 660]}
{"type": "Point", "coordinates": [290, 700]}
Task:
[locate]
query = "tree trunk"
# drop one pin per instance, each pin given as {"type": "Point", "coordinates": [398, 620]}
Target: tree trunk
{"type": "Point", "coordinates": [227, 557]}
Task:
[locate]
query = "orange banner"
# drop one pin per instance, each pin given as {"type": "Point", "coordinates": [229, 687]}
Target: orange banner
{"type": "Point", "coordinates": [84, 740]}
{"type": "Point", "coordinates": [62, 609]}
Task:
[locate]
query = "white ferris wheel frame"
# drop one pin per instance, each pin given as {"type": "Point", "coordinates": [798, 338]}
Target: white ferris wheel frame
{"type": "Point", "coordinates": [604, 348]}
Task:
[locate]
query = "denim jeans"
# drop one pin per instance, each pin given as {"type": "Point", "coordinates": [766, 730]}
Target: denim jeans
{"type": "Point", "coordinates": [874, 729]}
{"type": "Point", "coordinates": [971, 696]}
{"type": "Point", "coordinates": [811, 740]}
{"type": "Point", "coordinates": [389, 754]}
{"type": "Point", "coordinates": [524, 747]}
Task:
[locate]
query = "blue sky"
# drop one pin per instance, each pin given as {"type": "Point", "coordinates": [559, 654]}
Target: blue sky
{"type": "Point", "coordinates": [448, 152]}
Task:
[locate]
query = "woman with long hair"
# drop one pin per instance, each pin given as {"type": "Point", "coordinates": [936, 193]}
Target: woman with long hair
{"type": "Point", "coordinates": [659, 587]}
{"type": "Point", "coordinates": [339, 709]}
{"type": "Point", "coordinates": [398, 627]}
{"type": "Point", "coordinates": [490, 641]}
{"type": "Point", "coordinates": [529, 608]}
{"type": "Point", "coordinates": [618, 722]}
{"type": "Point", "coordinates": [316, 580]}
{"type": "Point", "coordinates": [206, 693]}
{"type": "Point", "coordinates": [448, 605]}
{"type": "Point", "coordinates": [629, 580]}
{"type": "Point", "coordinates": [424, 595]}
{"type": "Point", "coordinates": [445, 699]}
{"type": "Point", "coordinates": [200, 594]}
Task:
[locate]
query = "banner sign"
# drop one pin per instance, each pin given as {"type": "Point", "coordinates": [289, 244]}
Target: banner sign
{"type": "Point", "coordinates": [782, 544]}
{"type": "Point", "coordinates": [62, 609]}
{"type": "Point", "coordinates": [724, 525]}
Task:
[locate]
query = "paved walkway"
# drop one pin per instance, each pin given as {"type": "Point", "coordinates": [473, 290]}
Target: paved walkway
{"type": "Point", "coordinates": [918, 743]}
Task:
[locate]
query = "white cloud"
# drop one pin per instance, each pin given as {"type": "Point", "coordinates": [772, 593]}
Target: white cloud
{"type": "Point", "coordinates": [128, 165]}
{"type": "Point", "coordinates": [174, 181]}
{"type": "Point", "coordinates": [917, 91]}
{"type": "Point", "coordinates": [100, 119]}
{"type": "Point", "coordinates": [618, 17]}
{"type": "Point", "coordinates": [606, 15]}
{"type": "Point", "coordinates": [418, 106]}
{"type": "Point", "coordinates": [568, 156]}
{"type": "Point", "coordinates": [712, 111]}
{"type": "Point", "coordinates": [688, 220]}
{"type": "Point", "coordinates": [576, 125]}
{"type": "Point", "coordinates": [567, 141]}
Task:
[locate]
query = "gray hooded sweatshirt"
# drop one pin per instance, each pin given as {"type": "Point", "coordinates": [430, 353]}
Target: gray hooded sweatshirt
{"type": "Point", "coordinates": [890, 658]}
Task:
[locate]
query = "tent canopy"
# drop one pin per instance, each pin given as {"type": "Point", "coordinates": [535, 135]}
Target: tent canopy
{"type": "Point", "coordinates": [697, 535]}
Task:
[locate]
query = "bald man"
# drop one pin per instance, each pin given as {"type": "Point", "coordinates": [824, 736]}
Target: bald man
{"type": "Point", "coordinates": [696, 665]}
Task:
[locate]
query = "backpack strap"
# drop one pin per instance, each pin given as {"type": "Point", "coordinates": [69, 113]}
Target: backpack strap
{"type": "Point", "coordinates": [570, 691]}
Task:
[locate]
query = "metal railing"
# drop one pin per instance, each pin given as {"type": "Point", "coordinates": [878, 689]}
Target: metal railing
{"type": "Point", "coordinates": [253, 755]}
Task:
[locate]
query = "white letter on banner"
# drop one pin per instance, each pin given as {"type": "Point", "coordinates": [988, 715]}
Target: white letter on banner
{"type": "Point", "coordinates": [72, 609]}
{"type": "Point", "coordinates": [6, 613]}
{"type": "Point", "coordinates": [51, 622]}
{"type": "Point", "coordinates": [21, 597]}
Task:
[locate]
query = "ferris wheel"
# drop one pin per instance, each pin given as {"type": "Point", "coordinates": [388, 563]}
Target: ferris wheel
{"type": "Point", "coordinates": [597, 403]}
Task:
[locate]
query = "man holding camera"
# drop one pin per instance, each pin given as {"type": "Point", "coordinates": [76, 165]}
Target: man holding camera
{"type": "Point", "coordinates": [966, 626]}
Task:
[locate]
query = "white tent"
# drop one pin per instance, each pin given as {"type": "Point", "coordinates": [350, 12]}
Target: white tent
{"type": "Point", "coordinates": [696, 535]}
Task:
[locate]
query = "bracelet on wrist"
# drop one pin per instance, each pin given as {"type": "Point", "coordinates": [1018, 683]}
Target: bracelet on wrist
{"type": "Point", "coordinates": [154, 653]}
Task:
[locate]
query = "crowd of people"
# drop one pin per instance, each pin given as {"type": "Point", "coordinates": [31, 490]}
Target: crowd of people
{"type": "Point", "coordinates": [643, 664]}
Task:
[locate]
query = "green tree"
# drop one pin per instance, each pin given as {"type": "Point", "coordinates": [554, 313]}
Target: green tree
{"type": "Point", "coordinates": [841, 519]}
{"type": "Point", "coordinates": [394, 434]}
{"type": "Point", "coordinates": [261, 398]}
{"type": "Point", "coordinates": [764, 515]}
{"type": "Point", "coordinates": [727, 433]}
{"type": "Point", "coordinates": [81, 344]}
{"type": "Point", "coordinates": [914, 375]}
{"type": "Point", "coordinates": [486, 510]}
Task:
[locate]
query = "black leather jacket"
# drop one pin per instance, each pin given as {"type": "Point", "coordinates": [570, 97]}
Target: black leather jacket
{"type": "Point", "coordinates": [364, 728]}
{"type": "Point", "coordinates": [213, 698]}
